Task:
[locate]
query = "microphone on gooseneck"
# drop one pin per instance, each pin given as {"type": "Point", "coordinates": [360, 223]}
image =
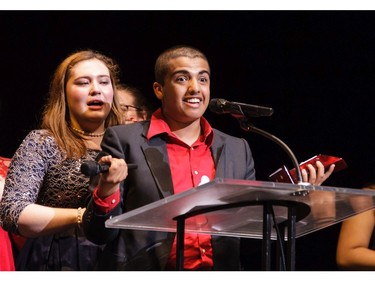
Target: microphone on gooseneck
{"type": "Point", "coordinates": [222, 106]}
{"type": "Point", "coordinates": [240, 110]}
{"type": "Point", "coordinates": [92, 168]}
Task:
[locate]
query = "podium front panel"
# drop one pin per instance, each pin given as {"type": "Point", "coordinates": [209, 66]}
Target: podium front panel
{"type": "Point", "coordinates": [317, 207]}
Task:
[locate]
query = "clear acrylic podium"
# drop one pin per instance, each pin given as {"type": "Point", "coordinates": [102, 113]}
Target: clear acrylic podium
{"type": "Point", "coordinates": [250, 209]}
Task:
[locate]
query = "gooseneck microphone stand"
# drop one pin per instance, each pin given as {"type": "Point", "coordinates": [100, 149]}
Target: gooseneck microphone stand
{"type": "Point", "coordinates": [247, 126]}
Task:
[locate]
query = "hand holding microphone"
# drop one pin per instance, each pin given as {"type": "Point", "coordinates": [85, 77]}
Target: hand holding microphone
{"type": "Point", "coordinates": [93, 168]}
{"type": "Point", "coordinates": [113, 171]}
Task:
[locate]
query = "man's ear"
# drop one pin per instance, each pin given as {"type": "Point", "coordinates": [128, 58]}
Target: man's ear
{"type": "Point", "coordinates": [158, 90]}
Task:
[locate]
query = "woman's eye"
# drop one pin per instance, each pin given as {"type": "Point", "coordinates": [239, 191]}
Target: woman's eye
{"type": "Point", "coordinates": [82, 82]}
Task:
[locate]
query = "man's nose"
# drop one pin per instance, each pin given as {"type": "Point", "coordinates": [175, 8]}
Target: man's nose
{"type": "Point", "coordinates": [194, 86]}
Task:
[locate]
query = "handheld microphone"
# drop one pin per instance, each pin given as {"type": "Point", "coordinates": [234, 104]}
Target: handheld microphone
{"type": "Point", "coordinates": [92, 168]}
{"type": "Point", "coordinates": [222, 106]}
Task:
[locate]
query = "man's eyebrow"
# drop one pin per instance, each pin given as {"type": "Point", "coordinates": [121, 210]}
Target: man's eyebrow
{"type": "Point", "coordinates": [182, 71]}
{"type": "Point", "coordinates": [205, 71]}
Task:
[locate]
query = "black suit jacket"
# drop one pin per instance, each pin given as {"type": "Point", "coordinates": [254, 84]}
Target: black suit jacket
{"type": "Point", "coordinates": [152, 181]}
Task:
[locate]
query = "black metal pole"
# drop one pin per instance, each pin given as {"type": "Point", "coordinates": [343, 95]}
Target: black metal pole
{"type": "Point", "coordinates": [180, 243]}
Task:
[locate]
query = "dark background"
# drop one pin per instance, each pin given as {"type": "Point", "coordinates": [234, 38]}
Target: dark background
{"type": "Point", "coordinates": [314, 68]}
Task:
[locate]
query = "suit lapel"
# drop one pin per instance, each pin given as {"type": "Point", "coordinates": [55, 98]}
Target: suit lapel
{"type": "Point", "coordinates": [157, 158]}
{"type": "Point", "coordinates": [217, 150]}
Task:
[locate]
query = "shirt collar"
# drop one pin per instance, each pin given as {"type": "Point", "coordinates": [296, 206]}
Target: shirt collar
{"type": "Point", "coordinates": [159, 126]}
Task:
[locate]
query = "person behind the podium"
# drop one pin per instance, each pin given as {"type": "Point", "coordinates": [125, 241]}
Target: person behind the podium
{"type": "Point", "coordinates": [176, 150]}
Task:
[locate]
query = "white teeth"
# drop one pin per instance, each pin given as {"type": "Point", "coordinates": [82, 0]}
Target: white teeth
{"type": "Point", "coordinates": [193, 100]}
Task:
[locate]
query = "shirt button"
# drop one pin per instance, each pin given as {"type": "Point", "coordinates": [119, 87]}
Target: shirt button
{"type": "Point", "coordinates": [196, 172]}
{"type": "Point", "coordinates": [113, 201]}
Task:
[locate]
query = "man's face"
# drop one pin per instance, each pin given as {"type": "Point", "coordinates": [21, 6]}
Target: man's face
{"type": "Point", "coordinates": [186, 91]}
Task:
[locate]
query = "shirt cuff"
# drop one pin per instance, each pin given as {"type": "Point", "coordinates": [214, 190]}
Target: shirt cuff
{"type": "Point", "coordinates": [105, 205]}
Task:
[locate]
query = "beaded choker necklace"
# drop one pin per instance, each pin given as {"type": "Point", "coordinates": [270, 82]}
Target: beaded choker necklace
{"type": "Point", "coordinates": [83, 133]}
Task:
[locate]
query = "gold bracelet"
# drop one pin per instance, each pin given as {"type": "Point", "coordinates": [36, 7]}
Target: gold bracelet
{"type": "Point", "coordinates": [79, 215]}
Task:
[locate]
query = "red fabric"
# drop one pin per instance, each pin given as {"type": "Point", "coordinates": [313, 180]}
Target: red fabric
{"type": "Point", "coordinates": [4, 165]}
{"type": "Point", "coordinates": [103, 206]}
{"type": "Point", "coordinates": [190, 166]}
{"type": "Point", "coordinates": [6, 253]}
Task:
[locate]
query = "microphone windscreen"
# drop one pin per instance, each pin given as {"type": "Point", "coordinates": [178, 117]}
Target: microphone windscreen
{"type": "Point", "coordinates": [216, 105]}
